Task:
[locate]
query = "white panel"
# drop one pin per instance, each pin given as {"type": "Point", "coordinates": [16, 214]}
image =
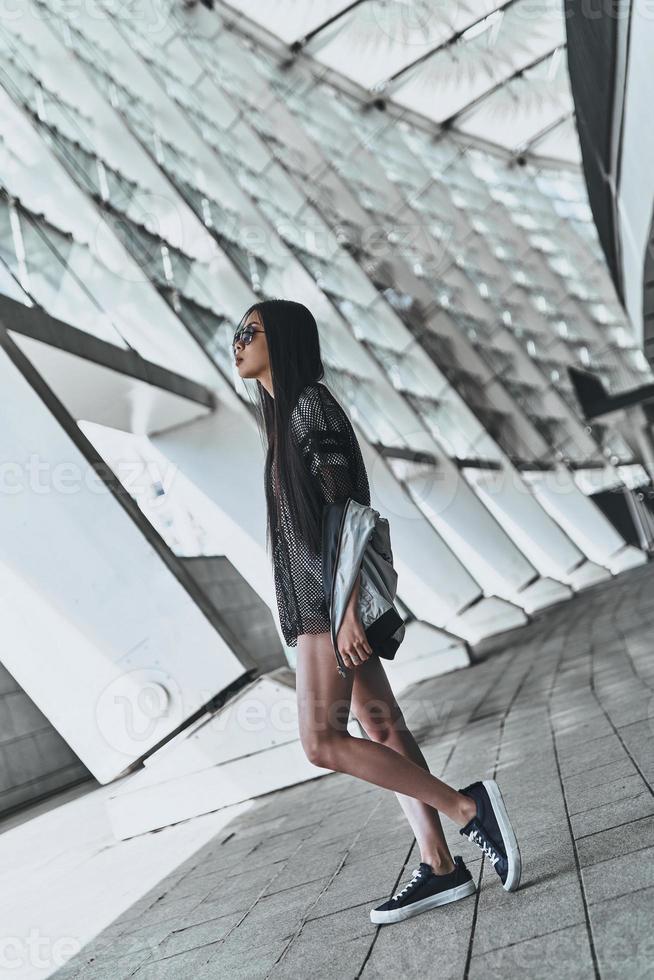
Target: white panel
{"type": "Point", "coordinates": [139, 806]}
{"type": "Point", "coordinates": [579, 517]}
{"type": "Point", "coordinates": [99, 394]}
{"type": "Point", "coordinates": [425, 652]}
{"type": "Point", "coordinates": [460, 73]}
{"type": "Point", "coordinates": [519, 111]}
{"type": "Point", "coordinates": [222, 456]}
{"type": "Point", "coordinates": [486, 618]}
{"type": "Point", "coordinates": [380, 38]}
{"type": "Point", "coordinates": [435, 582]}
{"type": "Point", "coordinates": [561, 143]}
{"type": "Point", "coordinates": [512, 502]}
{"type": "Point", "coordinates": [95, 627]}
{"type": "Point", "coordinates": [474, 535]}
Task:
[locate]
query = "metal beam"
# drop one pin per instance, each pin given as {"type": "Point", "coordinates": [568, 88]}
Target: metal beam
{"type": "Point", "coordinates": [541, 134]}
{"type": "Point", "coordinates": [498, 85]}
{"type": "Point", "coordinates": [37, 324]}
{"type": "Point", "coordinates": [301, 43]}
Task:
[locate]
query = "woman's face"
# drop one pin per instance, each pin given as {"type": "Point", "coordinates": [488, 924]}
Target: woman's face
{"type": "Point", "coordinates": [252, 359]}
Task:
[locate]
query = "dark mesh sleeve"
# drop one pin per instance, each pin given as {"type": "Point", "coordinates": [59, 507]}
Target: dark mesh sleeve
{"type": "Point", "coordinates": [324, 436]}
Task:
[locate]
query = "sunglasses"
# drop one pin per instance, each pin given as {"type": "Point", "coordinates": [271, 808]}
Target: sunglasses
{"type": "Point", "coordinates": [245, 335]}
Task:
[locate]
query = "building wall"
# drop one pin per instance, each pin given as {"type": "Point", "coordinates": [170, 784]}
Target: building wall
{"type": "Point", "coordinates": [35, 761]}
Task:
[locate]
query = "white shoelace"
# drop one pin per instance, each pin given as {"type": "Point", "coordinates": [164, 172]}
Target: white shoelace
{"type": "Point", "coordinates": [416, 873]}
{"type": "Point", "coordinates": [477, 839]}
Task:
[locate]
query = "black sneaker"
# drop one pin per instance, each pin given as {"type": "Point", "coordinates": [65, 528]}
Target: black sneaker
{"type": "Point", "coordinates": [425, 891]}
{"type": "Point", "coordinates": [491, 830]}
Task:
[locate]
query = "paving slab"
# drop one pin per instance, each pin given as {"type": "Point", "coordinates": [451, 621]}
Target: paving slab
{"type": "Point", "coordinates": [616, 842]}
{"type": "Point", "coordinates": [558, 955]}
{"type": "Point", "coordinates": [623, 937]}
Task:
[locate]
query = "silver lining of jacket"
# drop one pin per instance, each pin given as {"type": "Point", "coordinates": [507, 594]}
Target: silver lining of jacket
{"type": "Point", "coordinates": [363, 525]}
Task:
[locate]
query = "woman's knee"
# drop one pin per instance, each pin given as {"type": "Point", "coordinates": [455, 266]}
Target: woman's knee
{"type": "Point", "coordinates": [324, 751]}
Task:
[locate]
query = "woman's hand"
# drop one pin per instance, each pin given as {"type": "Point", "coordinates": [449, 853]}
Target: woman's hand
{"type": "Point", "coordinates": [351, 639]}
{"type": "Point", "coordinates": [352, 643]}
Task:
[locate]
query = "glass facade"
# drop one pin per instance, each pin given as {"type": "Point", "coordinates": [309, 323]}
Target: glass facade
{"type": "Point", "coordinates": [454, 286]}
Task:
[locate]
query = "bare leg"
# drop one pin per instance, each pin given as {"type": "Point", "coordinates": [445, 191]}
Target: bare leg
{"type": "Point", "coordinates": [375, 707]}
{"type": "Point", "coordinates": [324, 699]}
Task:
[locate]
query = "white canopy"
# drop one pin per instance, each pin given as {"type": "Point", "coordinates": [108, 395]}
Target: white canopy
{"type": "Point", "coordinates": [494, 71]}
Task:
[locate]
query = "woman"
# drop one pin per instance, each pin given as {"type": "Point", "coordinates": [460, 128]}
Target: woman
{"type": "Point", "coordinates": [313, 457]}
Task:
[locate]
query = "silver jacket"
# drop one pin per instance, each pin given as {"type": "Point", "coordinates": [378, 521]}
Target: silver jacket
{"type": "Point", "coordinates": [355, 537]}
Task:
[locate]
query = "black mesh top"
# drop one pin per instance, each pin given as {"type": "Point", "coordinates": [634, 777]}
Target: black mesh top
{"type": "Point", "coordinates": [331, 451]}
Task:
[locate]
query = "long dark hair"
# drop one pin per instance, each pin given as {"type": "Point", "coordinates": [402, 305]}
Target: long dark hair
{"type": "Point", "coordinates": [295, 361]}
